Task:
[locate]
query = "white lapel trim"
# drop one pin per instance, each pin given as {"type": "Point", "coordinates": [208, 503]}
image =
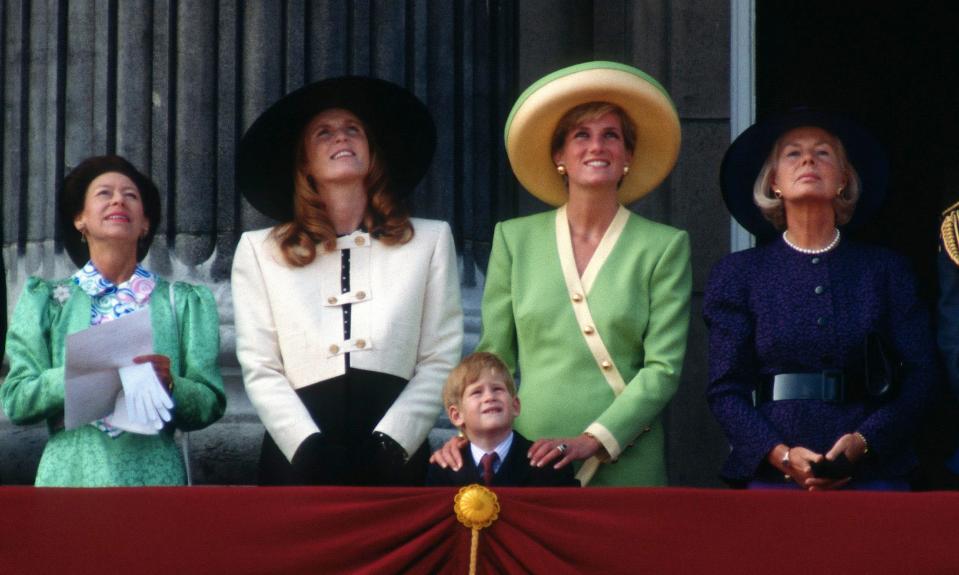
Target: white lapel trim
{"type": "Point", "coordinates": [604, 248]}
{"type": "Point", "coordinates": [578, 292]}
{"type": "Point", "coordinates": [578, 296]}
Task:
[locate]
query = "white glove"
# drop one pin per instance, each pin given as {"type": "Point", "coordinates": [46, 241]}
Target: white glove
{"type": "Point", "coordinates": [147, 402]}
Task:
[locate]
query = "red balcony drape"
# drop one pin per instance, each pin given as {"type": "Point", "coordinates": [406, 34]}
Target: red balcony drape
{"type": "Point", "coordinates": [249, 530]}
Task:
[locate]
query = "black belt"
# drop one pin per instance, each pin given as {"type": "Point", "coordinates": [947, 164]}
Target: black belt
{"type": "Point", "coordinates": [833, 385]}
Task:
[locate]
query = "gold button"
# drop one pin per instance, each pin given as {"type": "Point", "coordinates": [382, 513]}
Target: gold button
{"type": "Point", "coordinates": [588, 330]}
{"type": "Point", "coordinates": [360, 240]}
{"type": "Point", "coordinates": [605, 364]}
{"type": "Point", "coordinates": [361, 295]}
{"type": "Point", "coordinates": [361, 343]}
{"type": "Point", "coordinates": [334, 349]}
{"type": "Point", "coordinates": [331, 300]}
{"type": "Point", "coordinates": [577, 297]}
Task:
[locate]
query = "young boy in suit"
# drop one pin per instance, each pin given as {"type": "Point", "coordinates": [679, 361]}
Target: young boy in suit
{"type": "Point", "coordinates": [480, 399]}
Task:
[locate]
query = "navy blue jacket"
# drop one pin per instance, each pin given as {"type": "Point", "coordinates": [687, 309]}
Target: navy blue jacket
{"type": "Point", "coordinates": [774, 310]}
{"type": "Point", "coordinates": [514, 472]}
{"type": "Point", "coordinates": [948, 328]}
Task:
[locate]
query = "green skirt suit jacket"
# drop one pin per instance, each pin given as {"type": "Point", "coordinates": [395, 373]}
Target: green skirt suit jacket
{"type": "Point", "coordinates": [34, 389]}
{"type": "Point", "coordinates": [639, 303]}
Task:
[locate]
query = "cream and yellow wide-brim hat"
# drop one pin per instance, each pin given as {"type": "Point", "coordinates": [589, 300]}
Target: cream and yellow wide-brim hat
{"type": "Point", "coordinates": [537, 111]}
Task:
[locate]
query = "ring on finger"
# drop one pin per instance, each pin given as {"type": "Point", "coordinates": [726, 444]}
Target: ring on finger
{"type": "Point", "coordinates": [562, 447]}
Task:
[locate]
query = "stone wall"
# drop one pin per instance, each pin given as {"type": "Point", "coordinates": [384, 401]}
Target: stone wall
{"type": "Point", "coordinates": [173, 84]}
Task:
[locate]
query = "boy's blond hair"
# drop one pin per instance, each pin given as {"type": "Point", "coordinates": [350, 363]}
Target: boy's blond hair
{"type": "Point", "coordinates": [469, 370]}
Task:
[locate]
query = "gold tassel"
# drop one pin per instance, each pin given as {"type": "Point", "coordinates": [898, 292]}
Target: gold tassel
{"type": "Point", "coordinates": [476, 507]}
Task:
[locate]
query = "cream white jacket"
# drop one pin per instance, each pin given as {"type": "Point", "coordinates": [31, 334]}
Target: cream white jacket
{"type": "Point", "coordinates": [406, 320]}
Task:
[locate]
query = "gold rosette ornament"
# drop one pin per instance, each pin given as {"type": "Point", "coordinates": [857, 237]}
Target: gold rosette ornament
{"type": "Point", "coordinates": [476, 507]}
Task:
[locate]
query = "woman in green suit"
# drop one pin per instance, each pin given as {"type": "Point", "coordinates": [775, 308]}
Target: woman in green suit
{"type": "Point", "coordinates": [590, 301]}
{"type": "Point", "coordinates": [109, 213]}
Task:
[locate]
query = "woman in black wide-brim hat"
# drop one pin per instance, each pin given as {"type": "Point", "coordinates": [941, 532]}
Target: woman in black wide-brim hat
{"type": "Point", "coordinates": [348, 315]}
{"type": "Point", "coordinates": [806, 331]}
{"type": "Point", "coordinates": [109, 212]}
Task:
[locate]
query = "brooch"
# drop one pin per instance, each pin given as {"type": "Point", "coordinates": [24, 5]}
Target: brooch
{"type": "Point", "coordinates": [61, 293]}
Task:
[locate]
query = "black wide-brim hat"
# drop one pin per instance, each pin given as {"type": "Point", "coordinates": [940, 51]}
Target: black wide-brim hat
{"type": "Point", "coordinates": [396, 121]}
{"type": "Point", "coordinates": [746, 155]}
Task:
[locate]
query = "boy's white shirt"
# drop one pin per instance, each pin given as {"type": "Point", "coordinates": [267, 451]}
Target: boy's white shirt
{"type": "Point", "coordinates": [501, 450]}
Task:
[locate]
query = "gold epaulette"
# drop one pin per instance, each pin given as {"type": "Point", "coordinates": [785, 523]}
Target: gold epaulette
{"type": "Point", "coordinates": [949, 230]}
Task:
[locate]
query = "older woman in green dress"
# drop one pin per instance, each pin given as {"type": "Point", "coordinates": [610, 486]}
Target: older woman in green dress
{"type": "Point", "coordinates": [590, 301]}
{"type": "Point", "coordinates": [109, 213]}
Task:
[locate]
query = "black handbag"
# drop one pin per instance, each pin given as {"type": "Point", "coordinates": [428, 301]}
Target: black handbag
{"type": "Point", "coordinates": [882, 370]}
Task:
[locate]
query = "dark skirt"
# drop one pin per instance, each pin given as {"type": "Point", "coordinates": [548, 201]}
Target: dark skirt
{"type": "Point", "coordinates": [346, 409]}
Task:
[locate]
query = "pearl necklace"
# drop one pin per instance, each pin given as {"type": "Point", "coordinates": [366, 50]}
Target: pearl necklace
{"type": "Point", "coordinates": [831, 245]}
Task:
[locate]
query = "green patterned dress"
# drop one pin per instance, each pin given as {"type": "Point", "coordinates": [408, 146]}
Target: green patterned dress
{"type": "Point", "coordinates": [98, 455]}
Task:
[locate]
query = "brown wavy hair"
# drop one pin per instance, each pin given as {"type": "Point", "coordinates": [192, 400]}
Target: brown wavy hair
{"type": "Point", "coordinates": [587, 112]}
{"type": "Point", "coordinates": [387, 217]}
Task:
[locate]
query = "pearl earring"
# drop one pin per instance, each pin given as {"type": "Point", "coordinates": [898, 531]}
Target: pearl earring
{"type": "Point", "coordinates": [778, 193]}
{"type": "Point", "coordinates": [561, 169]}
{"type": "Point", "coordinates": [625, 170]}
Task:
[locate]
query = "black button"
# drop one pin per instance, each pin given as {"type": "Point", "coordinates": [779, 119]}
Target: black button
{"type": "Point", "coordinates": [819, 290]}
{"type": "Point", "coordinates": [821, 321]}
{"type": "Point", "coordinates": [815, 260]}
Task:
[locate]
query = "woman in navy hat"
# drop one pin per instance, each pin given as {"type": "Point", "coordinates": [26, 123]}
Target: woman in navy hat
{"type": "Point", "coordinates": [348, 313]}
{"type": "Point", "coordinates": [821, 355]}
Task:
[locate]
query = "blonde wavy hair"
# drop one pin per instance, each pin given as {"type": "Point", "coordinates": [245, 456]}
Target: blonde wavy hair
{"type": "Point", "coordinates": [471, 369]}
{"type": "Point", "coordinates": [773, 208]}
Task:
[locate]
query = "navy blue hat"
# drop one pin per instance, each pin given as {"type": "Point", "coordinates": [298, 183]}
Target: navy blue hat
{"type": "Point", "coordinates": [72, 194]}
{"type": "Point", "coordinates": [746, 155]}
{"type": "Point", "coordinates": [396, 121]}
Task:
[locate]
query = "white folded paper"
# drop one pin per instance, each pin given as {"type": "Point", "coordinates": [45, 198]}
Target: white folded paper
{"type": "Point", "coordinates": [101, 379]}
